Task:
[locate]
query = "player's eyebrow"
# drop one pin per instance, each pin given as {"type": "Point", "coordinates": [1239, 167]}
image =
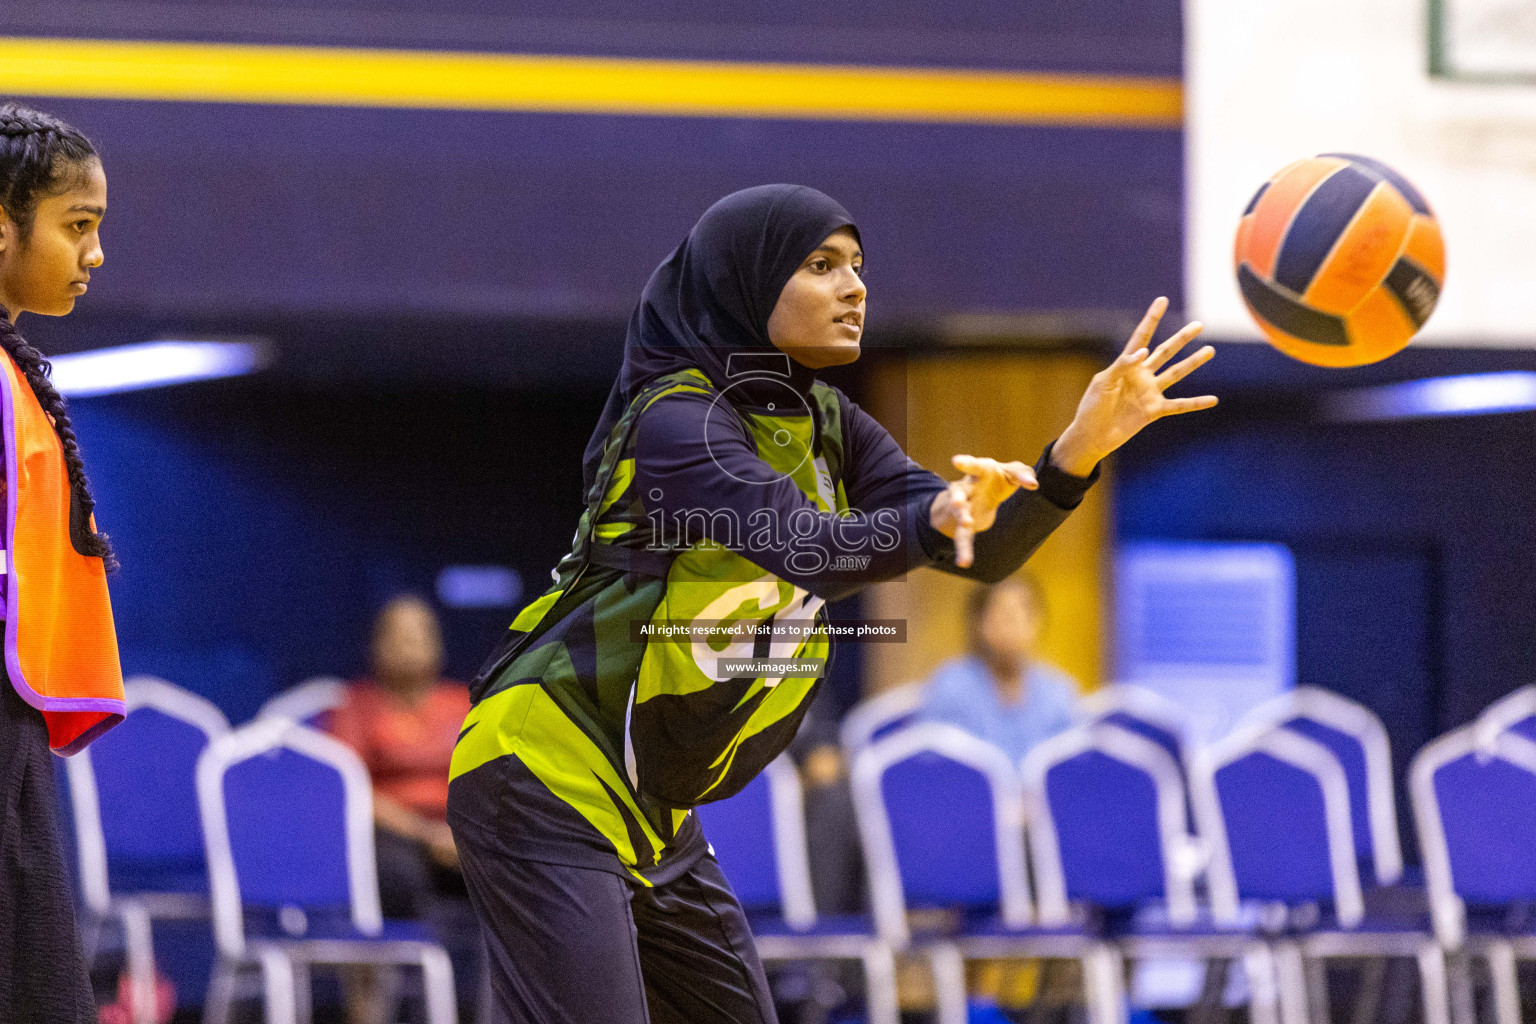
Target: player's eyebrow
{"type": "Point", "coordinates": [858, 254]}
{"type": "Point", "coordinates": [100, 211]}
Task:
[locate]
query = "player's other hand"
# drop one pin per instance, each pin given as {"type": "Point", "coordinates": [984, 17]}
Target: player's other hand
{"type": "Point", "coordinates": [969, 505]}
{"type": "Point", "coordinates": [1128, 394]}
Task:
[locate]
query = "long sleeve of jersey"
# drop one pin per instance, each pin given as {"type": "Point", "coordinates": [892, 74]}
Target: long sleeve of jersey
{"type": "Point", "coordinates": [698, 472]}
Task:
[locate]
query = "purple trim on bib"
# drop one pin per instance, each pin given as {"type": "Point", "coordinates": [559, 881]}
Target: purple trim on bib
{"type": "Point", "coordinates": [13, 486]}
{"type": "Point", "coordinates": [86, 738]}
{"type": "Point", "coordinates": [13, 599]}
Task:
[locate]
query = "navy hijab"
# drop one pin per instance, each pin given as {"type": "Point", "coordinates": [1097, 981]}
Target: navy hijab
{"type": "Point", "coordinates": [712, 297]}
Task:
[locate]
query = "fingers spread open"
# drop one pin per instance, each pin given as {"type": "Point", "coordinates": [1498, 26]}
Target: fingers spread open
{"type": "Point", "coordinates": [1144, 330]}
{"type": "Point", "coordinates": [1177, 372]}
{"type": "Point", "coordinates": [1170, 348]}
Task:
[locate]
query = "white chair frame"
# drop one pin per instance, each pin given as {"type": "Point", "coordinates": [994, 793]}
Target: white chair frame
{"type": "Point", "coordinates": [1447, 909]}
{"type": "Point", "coordinates": [311, 697]}
{"type": "Point", "coordinates": [284, 964]}
{"type": "Point", "coordinates": [1353, 719]}
{"type": "Point", "coordinates": [871, 715]}
{"type": "Point", "coordinates": [1299, 962]}
{"type": "Point", "coordinates": [1180, 860]}
{"type": "Point", "coordinates": [947, 958]}
{"type": "Point", "coordinates": [1180, 856]}
{"type": "Point", "coordinates": [136, 912]}
{"type": "Point", "coordinates": [1508, 710]}
{"type": "Point", "coordinates": [799, 906]}
{"type": "Point", "coordinates": [1137, 702]}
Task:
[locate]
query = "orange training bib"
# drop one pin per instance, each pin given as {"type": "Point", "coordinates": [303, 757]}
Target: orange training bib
{"type": "Point", "coordinates": [60, 645]}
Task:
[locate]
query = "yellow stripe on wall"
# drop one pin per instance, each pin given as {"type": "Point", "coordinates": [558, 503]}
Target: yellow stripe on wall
{"type": "Point", "coordinates": [323, 76]}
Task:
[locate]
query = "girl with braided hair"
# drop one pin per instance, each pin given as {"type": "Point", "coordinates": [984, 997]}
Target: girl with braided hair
{"type": "Point", "coordinates": [64, 680]}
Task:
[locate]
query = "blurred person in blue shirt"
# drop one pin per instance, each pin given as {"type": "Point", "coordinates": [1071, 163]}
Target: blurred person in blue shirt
{"type": "Point", "coordinates": [1001, 692]}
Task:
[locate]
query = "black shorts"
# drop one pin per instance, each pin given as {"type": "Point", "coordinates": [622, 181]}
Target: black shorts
{"type": "Point", "coordinates": [42, 973]}
{"type": "Point", "coordinates": [573, 945]}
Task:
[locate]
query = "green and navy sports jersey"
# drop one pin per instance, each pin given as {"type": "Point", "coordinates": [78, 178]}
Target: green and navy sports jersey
{"type": "Point", "coordinates": [588, 741]}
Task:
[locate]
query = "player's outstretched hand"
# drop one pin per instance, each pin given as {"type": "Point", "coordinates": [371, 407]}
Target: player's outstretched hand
{"type": "Point", "coordinates": [969, 505]}
{"type": "Point", "coordinates": [1128, 394]}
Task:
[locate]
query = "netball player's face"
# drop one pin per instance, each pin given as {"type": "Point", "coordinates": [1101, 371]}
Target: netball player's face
{"type": "Point", "coordinates": [46, 271]}
{"type": "Point", "coordinates": [819, 317]}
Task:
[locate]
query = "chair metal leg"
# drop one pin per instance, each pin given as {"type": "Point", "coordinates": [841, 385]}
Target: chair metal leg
{"type": "Point", "coordinates": [1264, 1003]}
{"type": "Point", "coordinates": [1373, 975]}
{"type": "Point", "coordinates": [1210, 1006]}
{"type": "Point", "coordinates": [221, 993]}
{"type": "Point", "coordinates": [1316, 974]}
{"type": "Point", "coordinates": [1506, 982]}
{"type": "Point", "coordinates": [1463, 1006]}
{"type": "Point", "coordinates": [138, 938]}
{"type": "Point", "coordinates": [387, 981]}
{"type": "Point", "coordinates": [278, 988]}
{"type": "Point", "coordinates": [948, 968]}
{"type": "Point", "coordinates": [303, 993]}
{"type": "Point", "coordinates": [437, 986]}
{"type": "Point", "coordinates": [90, 936]}
{"type": "Point", "coordinates": [880, 985]}
{"type": "Point", "coordinates": [1104, 984]}
{"type": "Point", "coordinates": [1291, 973]}
{"type": "Point", "coordinates": [1432, 983]}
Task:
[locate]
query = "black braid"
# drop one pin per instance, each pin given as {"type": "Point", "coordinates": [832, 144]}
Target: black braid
{"type": "Point", "coordinates": [38, 153]}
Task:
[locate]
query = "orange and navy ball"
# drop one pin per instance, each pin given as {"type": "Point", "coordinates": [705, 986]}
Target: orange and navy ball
{"type": "Point", "coordinates": [1340, 260]}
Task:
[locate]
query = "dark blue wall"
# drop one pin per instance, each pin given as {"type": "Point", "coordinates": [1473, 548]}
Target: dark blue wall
{"type": "Point", "coordinates": [1452, 495]}
{"type": "Point", "coordinates": [1107, 36]}
{"type": "Point", "coordinates": [260, 528]}
{"type": "Point", "coordinates": [227, 211]}
{"type": "Point", "coordinates": [1415, 545]}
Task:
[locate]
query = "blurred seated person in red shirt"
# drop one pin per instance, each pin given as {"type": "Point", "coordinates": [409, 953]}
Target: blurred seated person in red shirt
{"type": "Point", "coordinates": [403, 721]}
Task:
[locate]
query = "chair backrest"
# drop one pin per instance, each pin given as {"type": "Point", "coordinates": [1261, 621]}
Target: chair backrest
{"type": "Point", "coordinates": [1274, 811]}
{"type": "Point", "coordinates": [1142, 711]}
{"type": "Point", "coordinates": [773, 876]}
{"type": "Point", "coordinates": [133, 794]}
{"type": "Point", "coordinates": [941, 819]}
{"type": "Point", "coordinates": [880, 715]}
{"type": "Point", "coordinates": [1474, 803]}
{"type": "Point", "coordinates": [1514, 712]}
{"type": "Point", "coordinates": [1107, 824]}
{"type": "Point", "coordinates": [308, 703]}
{"type": "Point", "coordinates": [1359, 740]}
{"type": "Point", "coordinates": [288, 818]}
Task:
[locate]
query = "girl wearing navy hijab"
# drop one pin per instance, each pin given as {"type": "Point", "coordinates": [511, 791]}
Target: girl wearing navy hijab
{"type": "Point", "coordinates": [729, 495]}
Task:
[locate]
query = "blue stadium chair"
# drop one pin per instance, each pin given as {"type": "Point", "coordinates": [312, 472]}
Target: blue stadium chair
{"type": "Point", "coordinates": [880, 715]}
{"type": "Point", "coordinates": [1144, 712]}
{"type": "Point", "coordinates": [308, 703]}
{"type": "Point", "coordinates": [288, 818]}
{"type": "Point", "coordinates": [1474, 802]}
{"type": "Point", "coordinates": [1108, 829]}
{"type": "Point", "coordinates": [1274, 807]}
{"type": "Point", "coordinates": [941, 818]}
{"type": "Point", "coordinates": [139, 843]}
{"type": "Point", "coordinates": [1359, 740]}
{"type": "Point", "coordinates": [773, 882]}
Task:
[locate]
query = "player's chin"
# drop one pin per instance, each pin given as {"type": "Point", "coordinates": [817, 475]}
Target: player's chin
{"type": "Point", "coordinates": [62, 306]}
{"type": "Point", "coordinates": [839, 350]}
